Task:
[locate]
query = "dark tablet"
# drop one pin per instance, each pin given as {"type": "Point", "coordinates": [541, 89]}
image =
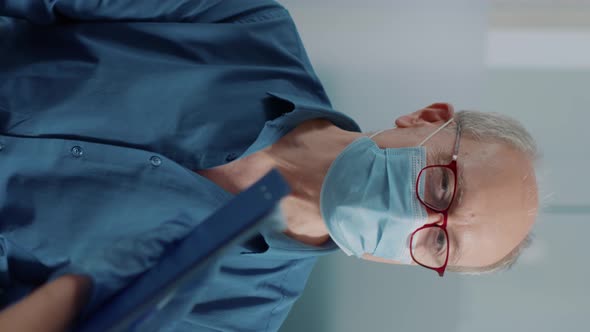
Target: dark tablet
{"type": "Point", "coordinates": [191, 258]}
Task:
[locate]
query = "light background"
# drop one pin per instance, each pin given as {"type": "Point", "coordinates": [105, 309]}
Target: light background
{"type": "Point", "coordinates": [379, 59]}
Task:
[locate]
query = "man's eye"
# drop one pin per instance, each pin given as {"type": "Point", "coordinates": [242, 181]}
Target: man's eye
{"type": "Point", "coordinates": [441, 241]}
{"type": "Point", "coordinates": [443, 187]}
{"type": "Point", "coordinates": [445, 182]}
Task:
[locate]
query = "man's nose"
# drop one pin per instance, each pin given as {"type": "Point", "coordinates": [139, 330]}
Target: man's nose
{"type": "Point", "coordinates": [435, 217]}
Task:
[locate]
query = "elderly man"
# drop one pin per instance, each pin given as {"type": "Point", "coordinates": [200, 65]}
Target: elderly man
{"type": "Point", "coordinates": [124, 124]}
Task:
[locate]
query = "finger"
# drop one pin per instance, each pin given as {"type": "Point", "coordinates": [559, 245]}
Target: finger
{"type": "Point", "coordinates": [50, 308]}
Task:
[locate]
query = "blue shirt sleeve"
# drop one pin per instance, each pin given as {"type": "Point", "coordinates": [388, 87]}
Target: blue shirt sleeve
{"type": "Point", "coordinates": [253, 288]}
{"type": "Point", "coordinates": [249, 292]}
{"type": "Point", "coordinates": [202, 11]}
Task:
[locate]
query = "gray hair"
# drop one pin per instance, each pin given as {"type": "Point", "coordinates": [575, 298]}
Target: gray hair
{"type": "Point", "coordinates": [493, 127]}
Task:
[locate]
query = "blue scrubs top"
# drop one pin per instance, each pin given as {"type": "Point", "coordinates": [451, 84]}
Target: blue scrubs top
{"type": "Point", "coordinates": [107, 107]}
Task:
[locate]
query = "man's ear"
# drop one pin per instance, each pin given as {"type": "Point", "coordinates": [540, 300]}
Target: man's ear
{"type": "Point", "coordinates": [438, 112]}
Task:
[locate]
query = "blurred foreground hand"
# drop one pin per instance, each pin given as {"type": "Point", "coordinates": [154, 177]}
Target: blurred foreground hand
{"type": "Point", "coordinates": [50, 308]}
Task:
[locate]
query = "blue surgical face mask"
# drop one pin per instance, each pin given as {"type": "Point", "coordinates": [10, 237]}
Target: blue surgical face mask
{"type": "Point", "coordinates": [368, 199]}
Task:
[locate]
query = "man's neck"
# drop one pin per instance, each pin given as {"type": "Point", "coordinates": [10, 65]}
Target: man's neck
{"type": "Point", "coordinates": [303, 158]}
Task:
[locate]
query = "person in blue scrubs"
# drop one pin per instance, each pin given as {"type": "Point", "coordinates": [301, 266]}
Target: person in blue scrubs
{"type": "Point", "coordinates": [123, 124]}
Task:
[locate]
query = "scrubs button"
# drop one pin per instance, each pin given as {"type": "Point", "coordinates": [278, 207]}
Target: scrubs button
{"type": "Point", "coordinates": [77, 151]}
{"type": "Point", "coordinates": [1, 146]}
{"type": "Point", "coordinates": [230, 157]}
{"type": "Point", "coordinates": [156, 161]}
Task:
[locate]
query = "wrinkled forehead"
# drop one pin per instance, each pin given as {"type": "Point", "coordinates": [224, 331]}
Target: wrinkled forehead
{"type": "Point", "coordinates": [499, 204]}
{"type": "Point", "coordinates": [496, 168]}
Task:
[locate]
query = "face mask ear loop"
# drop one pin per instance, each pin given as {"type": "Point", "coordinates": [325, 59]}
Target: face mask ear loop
{"type": "Point", "coordinates": [377, 133]}
{"type": "Point", "coordinates": [380, 131]}
{"type": "Point", "coordinates": [436, 131]}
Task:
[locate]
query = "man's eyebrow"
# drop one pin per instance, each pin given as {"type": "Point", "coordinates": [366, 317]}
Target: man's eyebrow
{"type": "Point", "coordinates": [457, 201]}
{"type": "Point", "coordinates": [460, 187]}
{"type": "Point", "coordinates": [442, 159]}
{"type": "Point", "coordinates": [456, 251]}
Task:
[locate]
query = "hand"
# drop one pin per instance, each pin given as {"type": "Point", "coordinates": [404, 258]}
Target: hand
{"type": "Point", "coordinates": [50, 308]}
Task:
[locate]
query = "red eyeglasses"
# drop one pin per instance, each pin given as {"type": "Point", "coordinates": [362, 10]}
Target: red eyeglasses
{"type": "Point", "coordinates": [429, 244]}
